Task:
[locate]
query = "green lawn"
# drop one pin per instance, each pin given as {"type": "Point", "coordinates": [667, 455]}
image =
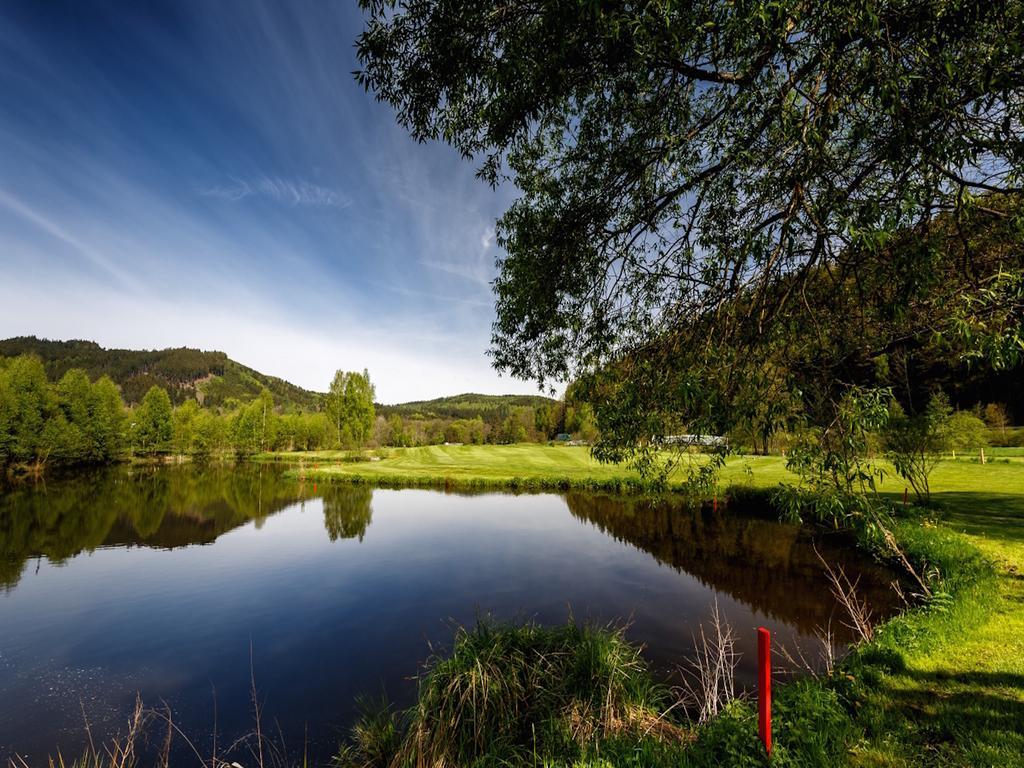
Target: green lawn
{"type": "Point", "coordinates": [498, 464]}
{"type": "Point", "coordinates": [955, 699]}
{"type": "Point", "coordinates": [960, 701]}
{"type": "Point", "coordinates": [494, 465]}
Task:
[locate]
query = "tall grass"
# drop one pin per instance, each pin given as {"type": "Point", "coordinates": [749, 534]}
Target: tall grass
{"type": "Point", "coordinates": [511, 694]}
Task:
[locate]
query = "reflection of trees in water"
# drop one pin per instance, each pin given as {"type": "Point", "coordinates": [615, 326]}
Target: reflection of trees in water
{"type": "Point", "coordinates": [347, 511]}
{"type": "Point", "coordinates": [154, 506]}
{"type": "Point", "coordinates": [768, 565]}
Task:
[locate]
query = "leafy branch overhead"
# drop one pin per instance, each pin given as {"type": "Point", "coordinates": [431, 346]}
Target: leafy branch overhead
{"type": "Point", "coordinates": [708, 176]}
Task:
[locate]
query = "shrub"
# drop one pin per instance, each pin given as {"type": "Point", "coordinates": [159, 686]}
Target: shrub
{"type": "Point", "coordinates": [967, 432]}
{"type": "Point", "coordinates": [915, 443]}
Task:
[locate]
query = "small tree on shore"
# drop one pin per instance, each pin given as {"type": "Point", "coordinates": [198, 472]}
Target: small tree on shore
{"type": "Point", "coordinates": [349, 406]}
{"type": "Point", "coordinates": [154, 422]}
{"type": "Point", "coordinates": [915, 443]}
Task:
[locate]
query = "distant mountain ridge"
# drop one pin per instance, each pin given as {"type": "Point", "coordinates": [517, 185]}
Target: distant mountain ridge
{"type": "Point", "coordinates": [464, 406]}
{"type": "Point", "coordinates": [212, 378]}
{"type": "Point", "coordinates": [209, 377]}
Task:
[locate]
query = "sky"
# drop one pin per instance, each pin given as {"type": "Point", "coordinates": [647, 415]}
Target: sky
{"type": "Point", "coordinates": [209, 174]}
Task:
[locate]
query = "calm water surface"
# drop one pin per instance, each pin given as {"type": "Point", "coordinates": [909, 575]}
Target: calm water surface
{"type": "Point", "coordinates": [159, 581]}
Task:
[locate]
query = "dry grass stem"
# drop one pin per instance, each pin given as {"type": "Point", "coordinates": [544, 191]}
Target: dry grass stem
{"type": "Point", "coordinates": [858, 613]}
{"type": "Point", "coordinates": [709, 677]}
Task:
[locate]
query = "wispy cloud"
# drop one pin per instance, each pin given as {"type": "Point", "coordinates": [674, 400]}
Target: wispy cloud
{"type": "Point", "coordinates": [477, 268]}
{"type": "Point", "coordinates": [285, 191]}
{"type": "Point", "coordinates": [467, 271]}
{"type": "Point", "coordinates": [267, 190]}
{"type": "Point", "coordinates": [55, 231]}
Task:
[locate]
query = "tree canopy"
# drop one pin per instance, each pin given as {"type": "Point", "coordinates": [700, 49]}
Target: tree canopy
{"type": "Point", "coordinates": [349, 406]}
{"type": "Point", "coordinates": [153, 422]}
{"type": "Point", "coordinates": [699, 180]}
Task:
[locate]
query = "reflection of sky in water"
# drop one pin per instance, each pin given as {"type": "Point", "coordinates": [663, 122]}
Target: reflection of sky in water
{"type": "Point", "coordinates": [330, 619]}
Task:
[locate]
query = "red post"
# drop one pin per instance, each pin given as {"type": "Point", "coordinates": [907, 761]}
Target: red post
{"type": "Point", "coordinates": [764, 687]}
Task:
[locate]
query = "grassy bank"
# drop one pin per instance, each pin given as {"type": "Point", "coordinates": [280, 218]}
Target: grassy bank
{"type": "Point", "coordinates": [948, 689]}
{"type": "Point", "coordinates": [526, 466]}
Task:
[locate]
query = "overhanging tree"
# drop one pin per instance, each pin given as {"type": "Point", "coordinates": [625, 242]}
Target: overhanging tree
{"type": "Point", "coordinates": [699, 180]}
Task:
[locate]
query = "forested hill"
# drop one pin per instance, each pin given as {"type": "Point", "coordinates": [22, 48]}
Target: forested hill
{"type": "Point", "coordinates": [466, 406]}
{"type": "Point", "coordinates": [210, 377]}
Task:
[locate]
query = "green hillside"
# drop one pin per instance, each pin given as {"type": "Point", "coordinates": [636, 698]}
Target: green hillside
{"type": "Point", "coordinates": [210, 377]}
{"type": "Point", "coordinates": [465, 406]}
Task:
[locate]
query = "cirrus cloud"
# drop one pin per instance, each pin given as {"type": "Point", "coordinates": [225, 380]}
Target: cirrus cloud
{"type": "Point", "coordinates": [285, 191]}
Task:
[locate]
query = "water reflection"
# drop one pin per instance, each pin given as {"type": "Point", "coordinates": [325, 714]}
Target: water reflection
{"type": "Point", "coordinates": [162, 507]}
{"type": "Point", "coordinates": [768, 565]}
{"type": "Point", "coordinates": [347, 511]}
{"type": "Point", "coordinates": [341, 590]}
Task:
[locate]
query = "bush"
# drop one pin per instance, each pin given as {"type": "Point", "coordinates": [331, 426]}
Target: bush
{"type": "Point", "coordinates": [967, 432]}
{"type": "Point", "coordinates": [915, 443]}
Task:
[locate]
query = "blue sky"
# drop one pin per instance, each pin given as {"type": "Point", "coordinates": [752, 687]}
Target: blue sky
{"type": "Point", "coordinates": [208, 174]}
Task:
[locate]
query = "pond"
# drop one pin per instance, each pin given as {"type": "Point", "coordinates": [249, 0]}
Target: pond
{"type": "Point", "coordinates": [182, 584]}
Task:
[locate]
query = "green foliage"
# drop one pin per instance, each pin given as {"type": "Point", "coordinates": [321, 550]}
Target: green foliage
{"type": "Point", "coordinates": [28, 405]}
{"type": "Point", "coordinates": [915, 443]}
{"type": "Point", "coordinates": [544, 421]}
{"type": "Point", "coordinates": [712, 192]}
{"type": "Point", "coordinates": [834, 458]}
{"type": "Point", "coordinates": [396, 431]}
{"type": "Point", "coordinates": [303, 432]}
{"type": "Point", "coordinates": [990, 321]}
{"type": "Point", "coordinates": [966, 432]}
{"type": "Point", "coordinates": [152, 427]}
{"type": "Point", "coordinates": [72, 422]}
{"type": "Point", "coordinates": [506, 693]}
{"type": "Point", "coordinates": [254, 426]}
{"type": "Point", "coordinates": [209, 434]}
{"type": "Point", "coordinates": [376, 738]}
{"type": "Point", "coordinates": [108, 423]}
{"type": "Point", "coordinates": [472, 418]}
{"type": "Point", "coordinates": [466, 406]}
{"type": "Point", "coordinates": [997, 419]}
{"type": "Point", "coordinates": [184, 427]}
{"type": "Point", "coordinates": [186, 374]}
{"type": "Point", "coordinates": [349, 406]}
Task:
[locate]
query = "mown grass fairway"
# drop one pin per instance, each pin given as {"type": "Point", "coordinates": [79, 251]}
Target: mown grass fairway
{"type": "Point", "coordinates": [498, 464]}
{"type": "Point", "coordinates": [494, 465]}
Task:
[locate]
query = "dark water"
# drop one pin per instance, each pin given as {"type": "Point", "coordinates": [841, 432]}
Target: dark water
{"type": "Point", "coordinates": [160, 581]}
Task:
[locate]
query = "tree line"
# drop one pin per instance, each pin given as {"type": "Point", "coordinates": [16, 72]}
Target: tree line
{"type": "Point", "coordinates": [77, 420]}
{"type": "Point", "coordinates": [500, 424]}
